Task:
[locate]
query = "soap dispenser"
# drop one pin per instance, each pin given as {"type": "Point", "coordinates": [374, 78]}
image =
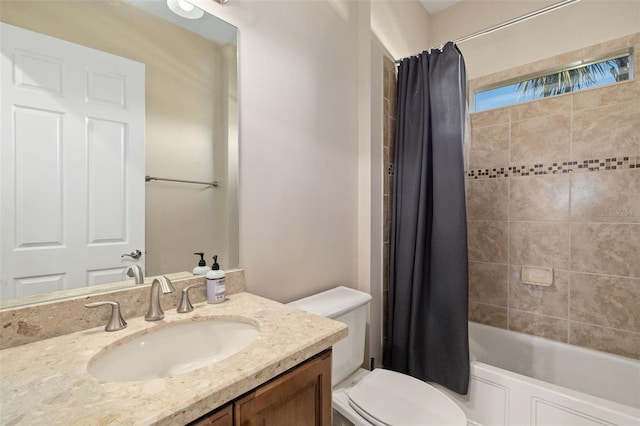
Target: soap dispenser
{"type": "Point", "coordinates": [202, 267]}
{"type": "Point", "coordinates": [215, 283]}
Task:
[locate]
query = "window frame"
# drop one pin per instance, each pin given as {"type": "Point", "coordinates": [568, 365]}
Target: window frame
{"type": "Point", "coordinates": [626, 52]}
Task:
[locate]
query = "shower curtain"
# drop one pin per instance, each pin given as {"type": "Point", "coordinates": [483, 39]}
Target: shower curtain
{"type": "Point", "coordinates": [427, 328]}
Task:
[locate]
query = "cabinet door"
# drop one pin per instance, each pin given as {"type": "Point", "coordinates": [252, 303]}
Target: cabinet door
{"type": "Point", "coordinates": [300, 397]}
{"type": "Point", "coordinates": [220, 417]}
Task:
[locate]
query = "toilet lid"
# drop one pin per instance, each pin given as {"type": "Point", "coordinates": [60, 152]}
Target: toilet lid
{"type": "Point", "coordinates": [387, 398]}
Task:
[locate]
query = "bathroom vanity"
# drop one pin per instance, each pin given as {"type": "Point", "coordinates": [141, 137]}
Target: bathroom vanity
{"type": "Point", "coordinates": [284, 373]}
{"type": "Point", "coordinates": [301, 396]}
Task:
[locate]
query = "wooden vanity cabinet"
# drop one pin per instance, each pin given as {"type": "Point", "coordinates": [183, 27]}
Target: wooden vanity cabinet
{"type": "Point", "coordinates": [220, 417]}
{"type": "Point", "coordinates": [300, 397]}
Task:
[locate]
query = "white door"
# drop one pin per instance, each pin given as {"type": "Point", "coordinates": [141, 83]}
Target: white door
{"type": "Point", "coordinates": [71, 164]}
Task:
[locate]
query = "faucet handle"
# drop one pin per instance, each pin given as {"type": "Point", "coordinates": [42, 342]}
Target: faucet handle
{"type": "Point", "coordinates": [185, 304]}
{"type": "Point", "coordinates": [116, 322]}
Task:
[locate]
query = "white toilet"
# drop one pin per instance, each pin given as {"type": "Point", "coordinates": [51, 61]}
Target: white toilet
{"type": "Point", "coordinates": [379, 397]}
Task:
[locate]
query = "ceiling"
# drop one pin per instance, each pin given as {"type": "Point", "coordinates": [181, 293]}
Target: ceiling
{"type": "Point", "coordinates": [434, 6]}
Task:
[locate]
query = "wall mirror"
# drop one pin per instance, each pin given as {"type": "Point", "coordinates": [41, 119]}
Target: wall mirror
{"type": "Point", "coordinates": [119, 135]}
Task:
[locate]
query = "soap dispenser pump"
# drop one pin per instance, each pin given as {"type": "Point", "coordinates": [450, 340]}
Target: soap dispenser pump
{"type": "Point", "coordinates": [202, 267]}
{"type": "Point", "coordinates": [215, 283]}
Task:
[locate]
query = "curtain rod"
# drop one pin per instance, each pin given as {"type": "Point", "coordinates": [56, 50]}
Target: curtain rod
{"type": "Point", "coordinates": [148, 178]}
{"type": "Point", "coordinates": [508, 23]}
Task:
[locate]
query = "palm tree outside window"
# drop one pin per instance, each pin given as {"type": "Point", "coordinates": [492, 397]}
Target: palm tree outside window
{"type": "Point", "coordinates": [603, 71]}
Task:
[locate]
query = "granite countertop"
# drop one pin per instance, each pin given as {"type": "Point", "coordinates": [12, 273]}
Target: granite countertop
{"type": "Point", "coordinates": [47, 382]}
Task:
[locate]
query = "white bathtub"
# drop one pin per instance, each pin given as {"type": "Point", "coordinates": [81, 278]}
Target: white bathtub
{"type": "Point", "coordinates": [518, 379]}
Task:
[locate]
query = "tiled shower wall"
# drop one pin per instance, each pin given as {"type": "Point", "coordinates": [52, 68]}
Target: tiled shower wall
{"type": "Point", "coordinates": [389, 144]}
{"type": "Point", "coordinates": [551, 183]}
{"type": "Point", "coordinates": [556, 183]}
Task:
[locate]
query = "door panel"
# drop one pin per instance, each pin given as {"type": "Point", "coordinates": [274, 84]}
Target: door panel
{"type": "Point", "coordinates": [106, 153]}
{"type": "Point", "coordinates": [38, 131]}
{"type": "Point", "coordinates": [33, 71]}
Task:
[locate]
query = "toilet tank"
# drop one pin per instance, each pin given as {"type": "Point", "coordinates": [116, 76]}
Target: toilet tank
{"type": "Point", "coordinates": [348, 306]}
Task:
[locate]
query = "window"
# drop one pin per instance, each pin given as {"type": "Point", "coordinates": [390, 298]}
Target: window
{"type": "Point", "coordinates": [574, 77]}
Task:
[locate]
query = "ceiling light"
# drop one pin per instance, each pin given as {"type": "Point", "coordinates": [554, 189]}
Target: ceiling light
{"type": "Point", "coordinates": [185, 9]}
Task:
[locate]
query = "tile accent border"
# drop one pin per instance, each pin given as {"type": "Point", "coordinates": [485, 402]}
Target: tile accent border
{"type": "Point", "coordinates": [575, 166]}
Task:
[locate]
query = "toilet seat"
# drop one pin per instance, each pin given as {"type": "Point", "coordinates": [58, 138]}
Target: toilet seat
{"type": "Point", "coordinates": [388, 398]}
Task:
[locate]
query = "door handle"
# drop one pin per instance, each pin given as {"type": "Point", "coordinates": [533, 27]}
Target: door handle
{"type": "Point", "coordinates": [134, 254]}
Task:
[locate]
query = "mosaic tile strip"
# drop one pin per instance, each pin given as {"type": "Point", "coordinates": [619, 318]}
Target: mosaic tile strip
{"type": "Point", "coordinates": [575, 166]}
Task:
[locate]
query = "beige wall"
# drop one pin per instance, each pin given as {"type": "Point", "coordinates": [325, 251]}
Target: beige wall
{"type": "Point", "coordinates": [184, 117]}
{"type": "Point", "coordinates": [401, 26]}
{"type": "Point", "coordinates": [572, 27]}
{"type": "Point", "coordinates": [302, 75]}
{"type": "Point", "coordinates": [311, 145]}
{"type": "Point", "coordinates": [555, 183]}
{"type": "Point", "coordinates": [298, 82]}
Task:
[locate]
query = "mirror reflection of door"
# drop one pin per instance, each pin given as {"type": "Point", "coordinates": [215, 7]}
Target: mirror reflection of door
{"type": "Point", "coordinates": [73, 122]}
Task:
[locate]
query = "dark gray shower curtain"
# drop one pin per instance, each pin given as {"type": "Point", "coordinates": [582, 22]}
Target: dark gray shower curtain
{"type": "Point", "coordinates": [427, 328]}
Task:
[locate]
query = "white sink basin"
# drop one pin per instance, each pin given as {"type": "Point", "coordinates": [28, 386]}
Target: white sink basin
{"type": "Point", "coordinates": [173, 350]}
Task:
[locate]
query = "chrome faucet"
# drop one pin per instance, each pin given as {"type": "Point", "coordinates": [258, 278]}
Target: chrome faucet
{"type": "Point", "coordinates": [135, 271]}
{"type": "Point", "coordinates": [155, 311]}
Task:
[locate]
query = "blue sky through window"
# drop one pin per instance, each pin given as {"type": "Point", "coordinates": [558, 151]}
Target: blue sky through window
{"type": "Point", "coordinates": [511, 94]}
